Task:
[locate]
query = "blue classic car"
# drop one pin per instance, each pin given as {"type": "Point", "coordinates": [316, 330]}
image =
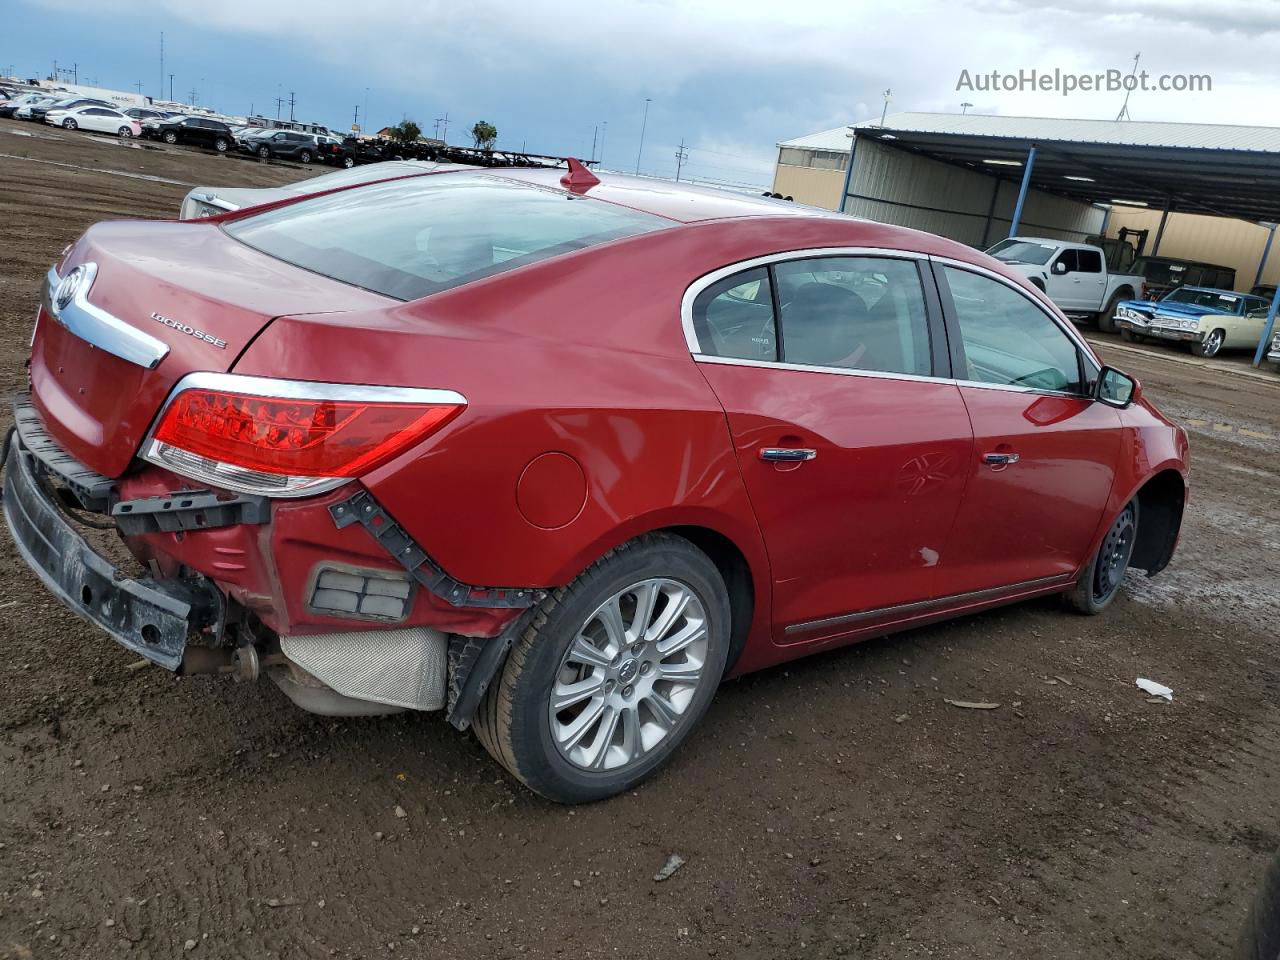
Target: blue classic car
{"type": "Point", "coordinates": [1205, 319]}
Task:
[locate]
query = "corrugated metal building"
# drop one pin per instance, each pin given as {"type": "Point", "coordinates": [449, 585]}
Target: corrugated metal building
{"type": "Point", "coordinates": [959, 176]}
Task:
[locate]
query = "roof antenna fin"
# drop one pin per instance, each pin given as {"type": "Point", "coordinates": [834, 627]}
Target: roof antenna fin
{"type": "Point", "coordinates": [579, 179]}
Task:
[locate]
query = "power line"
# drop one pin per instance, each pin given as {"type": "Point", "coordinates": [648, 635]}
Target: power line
{"type": "Point", "coordinates": [681, 156]}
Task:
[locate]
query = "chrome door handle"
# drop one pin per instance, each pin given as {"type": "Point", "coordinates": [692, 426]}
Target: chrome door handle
{"type": "Point", "coordinates": [1000, 459]}
{"type": "Point", "coordinates": [787, 454]}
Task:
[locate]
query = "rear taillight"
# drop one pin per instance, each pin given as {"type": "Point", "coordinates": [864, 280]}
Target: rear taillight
{"type": "Point", "coordinates": [290, 438]}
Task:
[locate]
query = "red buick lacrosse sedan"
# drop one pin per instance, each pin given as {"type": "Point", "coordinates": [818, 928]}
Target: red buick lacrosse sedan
{"type": "Point", "coordinates": [554, 455]}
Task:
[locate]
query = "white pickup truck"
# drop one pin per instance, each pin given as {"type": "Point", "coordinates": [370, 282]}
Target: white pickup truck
{"type": "Point", "coordinates": [1074, 275]}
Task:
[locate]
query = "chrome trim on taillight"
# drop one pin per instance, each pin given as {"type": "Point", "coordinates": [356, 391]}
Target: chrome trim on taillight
{"type": "Point", "coordinates": [67, 301]}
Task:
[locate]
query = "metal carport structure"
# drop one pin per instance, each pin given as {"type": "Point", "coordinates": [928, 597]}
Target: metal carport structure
{"type": "Point", "coordinates": [1213, 169]}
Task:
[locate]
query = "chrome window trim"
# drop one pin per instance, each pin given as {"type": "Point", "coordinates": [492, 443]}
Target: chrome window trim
{"type": "Point", "coordinates": [810, 253]}
{"type": "Point", "coordinates": [1065, 325]}
{"type": "Point", "coordinates": [286, 390]}
{"type": "Point", "coordinates": [98, 327]}
{"type": "Point", "coordinates": [813, 368]}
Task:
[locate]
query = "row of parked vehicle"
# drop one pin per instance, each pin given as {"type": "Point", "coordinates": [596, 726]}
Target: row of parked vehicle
{"type": "Point", "coordinates": [101, 116]}
{"type": "Point", "coordinates": [1149, 299]}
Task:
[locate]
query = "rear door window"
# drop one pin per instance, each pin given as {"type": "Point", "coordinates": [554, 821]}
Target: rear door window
{"type": "Point", "coordinates": [1089, 261]}
{"type": "Point", "coordinates": [411, 238]}
{"type": "Point", "coordinates": [854, 313]}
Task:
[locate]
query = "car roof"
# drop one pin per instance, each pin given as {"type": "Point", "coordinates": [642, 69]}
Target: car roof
{"type": "Point", "coordinates": [1229, 293]}
{"type": "Point", "coordinates": [682, 202]}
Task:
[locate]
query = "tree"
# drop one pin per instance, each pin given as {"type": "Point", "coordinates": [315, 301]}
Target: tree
{"type": "Point", "coordinates": [406, 132]}
{"type": "Point", "coordinates": [485, 134]}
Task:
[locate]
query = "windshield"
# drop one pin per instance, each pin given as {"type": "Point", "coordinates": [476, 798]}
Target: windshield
{"type": "Point", "coordinates": [412, 238]}
{"type": "Point", "coordinates": [1208, 299]}
{"type": "Point", "coordinates": [1023, 251]}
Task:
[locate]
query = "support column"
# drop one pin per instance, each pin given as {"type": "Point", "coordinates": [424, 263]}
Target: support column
{"type": "Point", "coordinates": [1266, 251]}
{"type": "Point", "coordinates": [848, 171]}
{"type": "Point", "coordinates": [1164, 218]}
{"type": "Point", "coordinates": [1267, 330]}
{"type": "Point", "coordinates": [991, 212]}
{"type": "Point", "coordinates": [1022, 191]}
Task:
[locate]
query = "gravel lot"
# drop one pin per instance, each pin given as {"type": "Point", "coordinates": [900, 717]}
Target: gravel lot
{"type": "Point", "coordinates": [835, 807]}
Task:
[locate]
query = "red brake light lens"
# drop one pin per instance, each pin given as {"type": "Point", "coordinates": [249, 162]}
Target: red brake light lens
{"type": "Point", "coordinates": [297, 437]}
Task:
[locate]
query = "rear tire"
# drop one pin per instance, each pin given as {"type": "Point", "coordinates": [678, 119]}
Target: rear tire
{"type": "Point", "coordinates": [124, 133]}
{"type": "Point", "coordinates": [632, 718]}
{"type": "Point", "coordinates": [264, 153]}
{"type": "Point", "coordinates": [304, 157]}
{"type": "Point", "coordinates": [1101, 580]}
{"type": "Point", "coordinates": [69, 124]}
{"type": "Point", "coordinates": [1106, 319]}
{"type": "Point", "coordinates": [348, 162]}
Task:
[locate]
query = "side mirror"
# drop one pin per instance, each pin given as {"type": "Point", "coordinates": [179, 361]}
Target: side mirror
{"type": "Point", "coordinates": [1116, 389]}
{"type": "Point", "coordinates": [1059, 268]}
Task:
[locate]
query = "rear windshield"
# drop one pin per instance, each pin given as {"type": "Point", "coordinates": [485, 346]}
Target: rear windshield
{"type": "Point", "coordinates": [412, 238]}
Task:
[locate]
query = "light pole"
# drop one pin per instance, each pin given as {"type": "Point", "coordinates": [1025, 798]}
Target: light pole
{"type": "Point", "coordinates": [604, 128]}
{"type": "Point", "coordinates": [643, 123]}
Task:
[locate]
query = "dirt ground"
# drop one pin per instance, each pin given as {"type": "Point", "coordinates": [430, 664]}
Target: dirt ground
{"type": "Point", "coordinates": [835, 807]}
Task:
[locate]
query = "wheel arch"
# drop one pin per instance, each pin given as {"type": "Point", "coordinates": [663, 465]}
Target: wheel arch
{"type": "Point", "coordinates": [737, 553]}
{"type": "Point", "coordinates": [1161, 501]}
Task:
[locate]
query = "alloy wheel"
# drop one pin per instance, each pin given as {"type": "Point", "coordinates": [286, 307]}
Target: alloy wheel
{"type": "Point", "coordinates": [629, 675]}
{"type": "Point", "coordinates": [1213, 343]}
{"type": "Point", "coordinates": [1113, 558]}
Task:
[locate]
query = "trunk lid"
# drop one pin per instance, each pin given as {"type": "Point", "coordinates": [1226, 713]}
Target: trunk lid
{"type": "Point", "coordinates": [184, 284]}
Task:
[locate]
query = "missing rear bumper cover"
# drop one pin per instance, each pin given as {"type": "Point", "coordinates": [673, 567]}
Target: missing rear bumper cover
{"type": "Point", "coordinates": [362, 508]}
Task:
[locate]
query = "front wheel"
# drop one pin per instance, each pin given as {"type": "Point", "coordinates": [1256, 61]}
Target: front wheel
{"type": "Point", "coordinates": [1211, 344]}
{"type": "Point", "coordinates": [170, 137]}
{"type": "Point", "coordinates": [220, 145]}
{"type": "Point", "coordinates": [1128, 336]}
{"type": "Point", "coordinates": [613, 672]}
{"type": "Point", "coordinates": [348, 162]}
{"type": "Point", "coordinates": [1100, 582]}
{"type": "Point", "coordinates": [304, 157]}
{"type": "Point", "coordinates": [264, 153]}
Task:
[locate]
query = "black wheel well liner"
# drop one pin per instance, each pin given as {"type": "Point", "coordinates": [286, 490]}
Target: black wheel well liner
{"type": "Point", "coordinates": [733, 567]}
{"type": "Point", "coordinates": [1160, 505]}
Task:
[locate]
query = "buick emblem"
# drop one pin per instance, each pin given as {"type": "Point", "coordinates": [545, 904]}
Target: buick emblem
{"type": "Point", "coordinates": [69, 286]}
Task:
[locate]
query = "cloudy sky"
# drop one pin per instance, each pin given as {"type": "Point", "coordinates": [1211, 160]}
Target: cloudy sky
{"type": "Point", "coordinates": [728, 77]}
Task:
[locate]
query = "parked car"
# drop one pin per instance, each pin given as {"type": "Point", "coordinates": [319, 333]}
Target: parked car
{"type": "Point", "coordinates": [1073, 275]}
{"type": "Point", "coordinates": [281, 145]}
{"type": "Point", "coordinates": [200, 131]}
{"type": "Point", "coordinates": [337, 151]}
{"type": "Point", "coordinates": [26, 111]}
{"type": "Point", "coordinates": [201, 202]}
{"type": "Point", "coordinates": [1206, 320]}
{"type": "Point", "coordinates": [101, 119]}
{"type": "Point", "coordinates": [142, 114]}
{"type": "Point", "coordinates": [553, 456]}
{"type": "Point", "coordinates": [9, 107]}
{"type": "Point", "coordinates": [38, 111]}
{"type": "Point", "coordinates": [1162, 274]}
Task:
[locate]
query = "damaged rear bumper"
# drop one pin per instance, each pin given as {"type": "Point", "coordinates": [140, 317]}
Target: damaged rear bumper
{"type": "Point", "coordinates": [153, 618]}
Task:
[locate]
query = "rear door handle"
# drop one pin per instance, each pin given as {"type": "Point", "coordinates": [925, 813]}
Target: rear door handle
{"type": "Point", "coordinates": [1000, 459]}
{"type": "Point", "coordinates": [787, 454]}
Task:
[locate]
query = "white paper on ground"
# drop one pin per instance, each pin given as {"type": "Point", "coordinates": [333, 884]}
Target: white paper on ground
{"type": "Point", "coordinates": [1155, 689]}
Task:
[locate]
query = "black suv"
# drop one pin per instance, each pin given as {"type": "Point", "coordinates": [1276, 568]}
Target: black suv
{"type": "Point", "coordinates": [197, 130]}
{"type": "Point", "coordinates": [281, 144]}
